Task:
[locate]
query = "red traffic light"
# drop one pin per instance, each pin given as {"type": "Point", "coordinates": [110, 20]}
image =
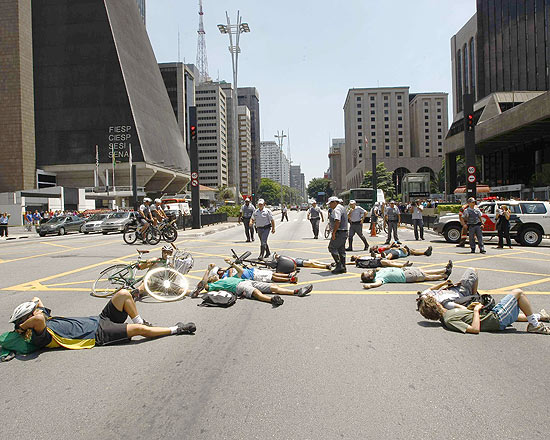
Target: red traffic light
{"type": "Point", "coordinates": [471, 117]}
{"type": "Point", "coordinates": [193, 130]}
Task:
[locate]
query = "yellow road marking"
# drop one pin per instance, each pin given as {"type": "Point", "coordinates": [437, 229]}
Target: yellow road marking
{"type": "Point", "coordinates": [53, 253]}
{"type": "Point", "coordinates": [56, 245]}
{"type": "Point", "coordinates": [526, 284]}
{"type": "Point", "coordinates": [515, 272]}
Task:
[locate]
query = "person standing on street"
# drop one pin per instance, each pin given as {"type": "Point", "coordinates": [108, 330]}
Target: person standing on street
{"type": "Point", "coordinates": [392, 217]}
{"type": "Point", "coordinates": [418, 223]}
{"type": "Point", "coordinates": [464, 230]}
{"type": "Point", "coordinates": [315, 214]}
{"type": "Point", "coordinates": [337, 246]}
{"type": "Point", "coordinates": [245, 215]}
{"type": "Point", "coordinates": [284, 212]}
{"type": "Point", "coordinates": [473, 217]}
{"type": "Point", "coordinates": [356, 217]}
{"type": "Point", "coordinates": [4, 219]}
{"type": "Point", "coordinates": [503, 226]}
{"type": "Point", "coordinates": [263, 220]}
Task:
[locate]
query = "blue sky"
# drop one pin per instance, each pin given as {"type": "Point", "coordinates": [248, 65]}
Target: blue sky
{"type": "Point", "coordinates": [304, 55]}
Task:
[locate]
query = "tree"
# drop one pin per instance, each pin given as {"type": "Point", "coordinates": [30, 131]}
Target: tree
{"type": "Point", "coordinates": [270, 191]}
{"type": "Point", "coordinates": [384, 180]}
{"type": "Point", "coordinates": [224, 193]}
{"type": "Point", "coordinates": [318, 185]}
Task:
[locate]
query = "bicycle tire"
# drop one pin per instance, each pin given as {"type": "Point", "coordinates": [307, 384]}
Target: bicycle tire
{"type": "Point", "coordinates": [152, 236]}
{"type": "Point", "coordinates": [130, 235]}
{"type": "Point", "coordinates": [165, 284]}
{"type": "Point", "coordinates": [170, 234]}
{"type": "Point", "coordinates": [111, 280]}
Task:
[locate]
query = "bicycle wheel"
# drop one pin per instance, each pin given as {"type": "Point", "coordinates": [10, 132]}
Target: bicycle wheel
{"type": "Point", "coordinates": [152, 236]}
{"type": "Point", "coordinates": [111, 280]}
{"type": "Point", "coordinates": [165, 284]}
{"type": "Point", "coordinates": [170, 234]}
{"type": "Point", "coordinates": [130, 235]}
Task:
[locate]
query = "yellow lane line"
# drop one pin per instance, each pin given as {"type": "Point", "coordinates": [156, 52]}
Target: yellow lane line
{"type": "Point", "coordinates": [515, 272]}
{"type": "Point", "coordinates": [54, 253]}
{"type": "Point", "coordinates": [526, 284]}
{"type": "Point", "coordinates": [56, 245]}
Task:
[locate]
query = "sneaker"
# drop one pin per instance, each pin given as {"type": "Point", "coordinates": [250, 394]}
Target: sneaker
{"type": "Point", "coordinates": [398, 242]}
{"type": "Point", "coordinates": [266, 256]}
{"type": "Point", "coordinates": [544, 316]}
{"type": "Point", "coordinates": [277, 300]}
{"type": "Point", "coordinates": [483, 251]}
{"type": "Point", "coordinates": [293, 280]}
{"type": "Point", "coordinates": [428, 251]}
{"type": "Point", "coordinates": [408, 264]}
{"type": "Point", "coordinates": [542, 329]}
{"type": "Point", "coordinates": [304, 291]}
{"type": "Point", "coordinates": [448, 269]}
{"type": "Point", "coordinates": [186, 329]}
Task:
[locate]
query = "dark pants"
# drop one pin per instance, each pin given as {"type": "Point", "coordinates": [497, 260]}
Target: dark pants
{"type": "Point", "coordinates": [473, 232]}
{"type": "Point", "coordinates": [285, 215]}
{"type": "Point", "coordinates": [504, 232]}
{"type": "Point", "coordinates": [263, 233]}
{"type": "Point", "coordinates": [315, 226]}
{"type": "Point", "coordinates": [418, 225]}
{"type": "Point", "coordinates": [392, 228]}
{"type": "Point", "coordinates": [247, 229]}
{"type": "Point", "coordinates": [337, 247]}
{"type": "Point", "coordinates": [357, 228]}
{"type": "Point", "coordinates": [3, 230]}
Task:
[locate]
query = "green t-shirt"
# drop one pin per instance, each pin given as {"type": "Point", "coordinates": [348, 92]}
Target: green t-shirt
{"type": "Point", "coordinates": [228, 284]}
{"type": "Point", "coordinates": [390, 275]}
{"type": "Point", "coordinates": [458, 320]}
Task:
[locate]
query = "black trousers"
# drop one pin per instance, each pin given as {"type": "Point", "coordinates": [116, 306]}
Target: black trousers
{"type": "Point", "coordinates": [504, 232]}
{"type": "Point", "coordinates": [249, 232]}
{"type": "Point", "coordinates": [337, 247]}
{"type": "Point", "coordinates": [285, 215]}
{"type": "Point", "coordinates": [315, 226]}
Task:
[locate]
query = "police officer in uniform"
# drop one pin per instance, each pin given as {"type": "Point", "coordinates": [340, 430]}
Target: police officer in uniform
{"type": "Point", "coordinates": [473, 217]}
{"type": "Point", "coordinates": [245, 215]}
{"type": "Point", "coordinates": [264, 222]}
{"type": "Point", "coordinates": [392, 217]}
{"type": "Point", "coordinates": [356, 217]}
{"type": "Point", "coordinates": [337, 246]}
{"type": "Point", "coordinates": [315, 214]}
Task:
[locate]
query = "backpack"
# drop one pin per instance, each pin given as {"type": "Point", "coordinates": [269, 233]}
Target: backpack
{"type": "Point", "coordinates": [368, 263]}
{"type": "Point", "coordinates": [282, 264]}
{"type": "Point", "coordinates": [218, 298]}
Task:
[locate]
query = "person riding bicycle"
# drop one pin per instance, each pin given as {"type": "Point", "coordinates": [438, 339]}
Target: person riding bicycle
{"type": "Point", "coordinates": [37, 325]}
{"type": "Point", "coordinates": [157, 212]}
{"type": "Point", "coordinates": [144, 216]}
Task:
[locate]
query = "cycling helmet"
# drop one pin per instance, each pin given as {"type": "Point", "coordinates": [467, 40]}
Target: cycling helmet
{"type": "Point", "coordinates": [158, 201]}
{"type": "Point", "coordinates": [167, 248]}
{"type": "Point", "coordinates": [22, 310]}
{"type": "Point", "coordinates": [147, 199]}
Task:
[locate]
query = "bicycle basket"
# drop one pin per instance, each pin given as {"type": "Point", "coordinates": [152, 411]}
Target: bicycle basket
{"type": "Point", "coordinates": [182, 261]}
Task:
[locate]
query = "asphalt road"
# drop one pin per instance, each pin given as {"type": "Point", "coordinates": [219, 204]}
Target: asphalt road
{"type": "Point", "coordinates": [342, 363]}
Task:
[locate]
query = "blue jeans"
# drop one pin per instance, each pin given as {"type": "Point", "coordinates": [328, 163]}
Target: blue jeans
{"type": "Point", "coordinates": [507, 311]}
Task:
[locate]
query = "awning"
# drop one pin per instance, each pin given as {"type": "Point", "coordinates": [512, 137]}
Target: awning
{"type": "Point", "coordinates": [479, 189]}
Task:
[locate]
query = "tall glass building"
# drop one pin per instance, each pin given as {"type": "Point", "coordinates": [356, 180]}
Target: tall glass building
{"type": "Point", "coordinates": [141, 6]}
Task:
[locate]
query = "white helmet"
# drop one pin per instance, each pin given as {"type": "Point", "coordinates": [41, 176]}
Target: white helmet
{"type": "Point", "coordinates": [214, 271]}
{"type": "Point", "coordinates": [147, 199]}
{"type": "Point", "coordinates": [22, 310]}
{"type": "Point", "coordinates": [158, 201]}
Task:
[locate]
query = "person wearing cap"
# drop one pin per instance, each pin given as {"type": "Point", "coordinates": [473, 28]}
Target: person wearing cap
{"type": "Point", "coordinates": [337, 246]}
{"type": "Point", "coordinates": [284, 213]}
{"type": "Point", "coordinates": [245, 215]}
{"type": "Point", "coordinates": [314, 214]}
{"type": "Point", "coordinates": [474, 219]}
{"type": "Point", "coordinates": [262, 218]}
{"type": "Point", "coordinates": [392, 218]}
{"type": "Point", "coordinates": [356, 217]}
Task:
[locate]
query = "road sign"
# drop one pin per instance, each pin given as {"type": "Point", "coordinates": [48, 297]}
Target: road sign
{"type": "Point", "coordinates": [471, 170]}
{"type": "Point", "coordinates": [194, 175]}
{"type": "Point", "coordinates": [194, 183]}
{"type": "Point", "coordinates": [471, 178]}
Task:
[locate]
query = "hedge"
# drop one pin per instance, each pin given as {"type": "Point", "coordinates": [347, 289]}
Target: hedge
{"type": "Point", "coordinates": [448, 208]}
{"type": "Point", "coordinates": [231, 211]}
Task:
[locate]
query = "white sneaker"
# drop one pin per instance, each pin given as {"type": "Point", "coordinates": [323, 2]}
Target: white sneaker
{"type": "Point", "coordinates": [543, 329]}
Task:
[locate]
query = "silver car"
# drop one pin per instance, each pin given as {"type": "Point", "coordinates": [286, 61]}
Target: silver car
{"type": "Point", "coordinates": [118, 221]}
{"type": "Point", "coordinates": [93, 224]}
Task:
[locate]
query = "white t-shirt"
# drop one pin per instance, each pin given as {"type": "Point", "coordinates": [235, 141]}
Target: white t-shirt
{"type": "Point", "coordinates": [417, 213]}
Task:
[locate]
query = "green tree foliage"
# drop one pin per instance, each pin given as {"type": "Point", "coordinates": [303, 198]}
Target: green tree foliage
{"type": "Point", "coordinates": [224, 193]}
{"type": "Point", "coordinates": [318, 185]}
{"type": "Point", "coordinates": [231, 211]}
{"type": "Point", "coordinates": [384, 180]}
{"type": "Point", "coordinates": [270, 191]}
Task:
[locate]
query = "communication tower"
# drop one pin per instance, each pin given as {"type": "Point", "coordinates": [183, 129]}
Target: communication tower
{"type": "Point", "coordinates": [202, 60]}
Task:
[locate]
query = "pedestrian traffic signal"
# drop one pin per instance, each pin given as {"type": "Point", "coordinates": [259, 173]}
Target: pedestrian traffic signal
{"type": "Point", "coordinates": [193, 132]}
{"type": "Point", "coordinates": [470, 121]}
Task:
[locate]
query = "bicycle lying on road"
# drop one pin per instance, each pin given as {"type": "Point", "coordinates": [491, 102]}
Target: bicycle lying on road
{"type": "Point", "coordinates": [164, 280]}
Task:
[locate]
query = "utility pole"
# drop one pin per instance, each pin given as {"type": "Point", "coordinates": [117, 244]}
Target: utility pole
{"type": "Point", "coordinates": [281, 137]}
{"type": "Point", "coordinates": [194, 159]}
{"type": "Point", "coordinates": [470, 146]}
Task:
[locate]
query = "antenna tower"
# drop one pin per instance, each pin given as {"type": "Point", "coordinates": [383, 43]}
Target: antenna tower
{"type": "Point", "coordinates": [202, 60]}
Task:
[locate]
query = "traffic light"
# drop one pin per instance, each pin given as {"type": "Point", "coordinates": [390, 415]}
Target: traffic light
{"type": "Point", "coordinates": [470, 121]}
{"type": "Point", "coordinates": [193, 132]}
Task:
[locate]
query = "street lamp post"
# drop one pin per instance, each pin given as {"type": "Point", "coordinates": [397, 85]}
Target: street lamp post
{"type": "Point", "coordinates": [281, 137]}
{"type": "Point", "coordinates": [235, 30]}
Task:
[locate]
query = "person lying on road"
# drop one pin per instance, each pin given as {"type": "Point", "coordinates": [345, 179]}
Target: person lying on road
{"type": "Point", "coordinates": [376, 277]}
{"type": "Point", "coordinates": [368, 262]}
{"type": "Point", "coordinates": [401, 251]}
{"type": "Point", "coordinates": [306, 262]}
{"type": "Point", "coordinates": [247, 288]}
{"type": "Point", "coordinates": [504, 314]}
{"type": "Point", "coordinates": [39, 327]}
{"type": "Point", "coordinates": [253, 273]}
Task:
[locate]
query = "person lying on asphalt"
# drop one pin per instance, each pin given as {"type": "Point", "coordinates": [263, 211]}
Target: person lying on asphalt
{"type": "Point", "coordinates": [368, 262]}
{"type": "Point", "coordinates": [504, 314]}
{"type": "Point", "coordinates": [255, 274]}
{"type": "Point", "coordinates": [376, 277]}
{"type": "Point", "coordinates": [39, 327]}
{"type": "Point", "coordinates": [247, 288]}
{"type": "Point", "coordinates": [401, 251]}
{"type": "Point", "coordinates": [305, 262]}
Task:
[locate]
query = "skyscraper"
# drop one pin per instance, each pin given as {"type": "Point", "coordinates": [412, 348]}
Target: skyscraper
{"type": "Point", "coordinates": [245, 149]}
{"type": "Point", "coordinates": [274, 163]}
{"type": "Point", "coordinates": [250, 97]}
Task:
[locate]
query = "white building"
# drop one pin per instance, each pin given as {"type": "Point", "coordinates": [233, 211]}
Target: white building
{"type": "Point", "coordinates": [245, 149]}
{"type": "Point", "coordinates": [274, 164]}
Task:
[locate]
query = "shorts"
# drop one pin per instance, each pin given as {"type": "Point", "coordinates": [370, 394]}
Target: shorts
{"type": "Point", "coordinates": [299, 262]}
{"type": "Point", "coordinates": [413, 275]}
{"type": "Point", "coordinates": [112, 328]}
{"type": "Point", "coordinates": [263, 275]}
{"type": "Point", "coordinates": [246, 288]}
{"type": "Point", "coordinates": [507, 311]}
{"type": "Point", "coordinates": [469, 278]}
{"type": "Point", "coordinates": [396, 253]}
{"type": "Point", "coordinates": [142, 221]}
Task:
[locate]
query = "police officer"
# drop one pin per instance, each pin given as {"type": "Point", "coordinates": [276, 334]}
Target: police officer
{"type": "Point", "coordinates": [392, 217]}
{"type": "Point", "coordinates": [474, 220]}
{"type": "Point", "coordinates": [356, 217]}
{"type": "Point", "coordinates": [337, 246]}
{"type": "Point", "coordinates": [263, 219]}
{"type": "Point", "coordinates": [315, 214]}
{"type": "Point", "coordinates": [245, 215]}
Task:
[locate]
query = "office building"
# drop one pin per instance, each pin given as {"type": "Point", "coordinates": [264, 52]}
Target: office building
{"type": "Point", "coordinates": [274, 163]}
{"type": "Point", "coordinates": [228, 90]}
{"type": "Point", "coordinates": [297, 181]}
{"type": "Point", "coordinates": [250, 97]}
{"type": "Point", "coordinates": [428, 122]}
{"type": "Point", "coordinates": [212, 134]}
{"type": "Point", "coordinates": [335, 164]}
{"type": "Point", "coordinates": [245, 150]}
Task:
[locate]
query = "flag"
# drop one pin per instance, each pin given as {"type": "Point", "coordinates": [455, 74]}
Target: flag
{"type": "Point", "coordinates": [114, 160]}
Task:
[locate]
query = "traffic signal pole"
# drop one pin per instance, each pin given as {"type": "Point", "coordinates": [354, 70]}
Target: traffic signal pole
{"type": "Point", "coordinates": [470, 146]}
{"type": "Point", "coordinates": [194, 159]}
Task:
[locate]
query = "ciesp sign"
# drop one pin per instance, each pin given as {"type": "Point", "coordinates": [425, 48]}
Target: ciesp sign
{"type": "Point", "coordinates": [119, 138]}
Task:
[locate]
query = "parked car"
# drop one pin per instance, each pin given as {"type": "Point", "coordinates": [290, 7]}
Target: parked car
{"type": "Point", "coordinates": [294, 207]}
{"type": "Point", "coordinates": [61, 225]}
{"type": "Point", "coordinates": [304, 207]}
{"type": "Point", "coordinates": [530, 220]}
{"type": "Point", "coordinates": [118, 221]}
{"type": "Point", "coordinates": [93, 224]}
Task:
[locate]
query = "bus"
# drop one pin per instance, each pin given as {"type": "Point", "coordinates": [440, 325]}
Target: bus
{"type": "Point", "coordinates": [363, 197]}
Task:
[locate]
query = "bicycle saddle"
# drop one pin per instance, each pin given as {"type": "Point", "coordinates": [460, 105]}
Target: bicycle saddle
{"type": "Point", "coordinates": [143, 251]}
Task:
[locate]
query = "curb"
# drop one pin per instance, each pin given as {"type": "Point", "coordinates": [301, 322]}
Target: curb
{"type": "Point", "coordinates": [210, 232]}
{"type": "Point", "coordinates": [426, 231]}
